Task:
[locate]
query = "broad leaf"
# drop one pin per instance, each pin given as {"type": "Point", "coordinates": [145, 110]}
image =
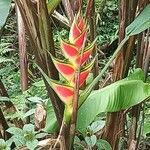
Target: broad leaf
{"type": "Point", "coordinates": [146, 126]}
{"type": "Point", "coordinates": [103, 145]}
{"type": "Point", "coordinates": [115, 97]}
{"type": "Point", "coordinates": [31, 145]}
{"type": "Point", "coordinates": [28, 127]}
{"type": "Point", "coordinates": [51, 122]}
{"type": "Point", "coordinates": [97, 125]}
{"type": "Point", "coordinates": [141, 22]}
{"type": "Point", "coordinates": [15, 131]}
{"type": "Point", "coordinates": [91, 140]}
{"type": "Point", "coordinates": [29, 113]}
{"type": "Point", "coordinates": [4, 10]}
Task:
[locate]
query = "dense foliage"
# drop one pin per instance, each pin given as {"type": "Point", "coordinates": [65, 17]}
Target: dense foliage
{"type": "Point", "coordinates": [31, 117]}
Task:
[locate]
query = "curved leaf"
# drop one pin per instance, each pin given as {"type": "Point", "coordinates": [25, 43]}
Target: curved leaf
{"type": "Point", "coordinates": [4, 10]}
{"type": "Point", "coordinates": [141, 22]}
{"type": "Point", "coordinates": [51, 5]}
{"type": "Point", "coordinates": [115, 97]}
{"type": "Point", "coordinates": [51, 124]}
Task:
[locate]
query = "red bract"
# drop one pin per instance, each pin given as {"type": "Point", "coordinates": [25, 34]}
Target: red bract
{"type": "Point", "coordinates": [76, 56]}
{"type": "Point", "coordinates": [65, 92]}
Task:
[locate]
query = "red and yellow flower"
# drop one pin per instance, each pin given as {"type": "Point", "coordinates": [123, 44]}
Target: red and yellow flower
{"type": "Point", "coordinates": [76, 54]}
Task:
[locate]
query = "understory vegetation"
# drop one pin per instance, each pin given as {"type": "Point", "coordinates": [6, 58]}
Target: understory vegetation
{"type": "Point", "coordinates": [74, 75]}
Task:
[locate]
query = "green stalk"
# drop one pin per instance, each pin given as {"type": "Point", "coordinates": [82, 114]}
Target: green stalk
{"type": "Point", "coordinates": [88, 90]}
{"type": "Point", "coordinates": [51, 5]}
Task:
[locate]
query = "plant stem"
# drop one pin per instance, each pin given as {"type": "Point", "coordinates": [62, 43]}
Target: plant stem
{"type": "Point", "coordinates": [75, 109]}
{"type": "Point", "coordinates": [64, 136]}
{"type": "Point", "coordinates": [37, 24]}
{"type": "Point", "coordinates": [87, 91]}
{"type": "Point", "coordinates": [5, 126]}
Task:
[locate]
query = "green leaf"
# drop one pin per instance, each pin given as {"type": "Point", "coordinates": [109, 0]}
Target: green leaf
{"type": "Point", "coordinates": [35, 99]}
{"type": "Point", "coordinates": [15, 131]}
{"type": "Point", "coordinates": [28, 127]}
{"type": "Point", "coordinates": [9, 142]}
{"type": "Point", "coordinates": [77, 144]}
{"type": "Point", "coordinates": [40, 135]}
{"type": "Point", "coordinates": [97, 125]}
{"type": "Point", "coordinates": [18, 139]}
{"type": "Point", "coordinates": [141, 22]}
{"type": "Point", "coordinates": [138, 74]}
{"type": "Point", "coordinates": [52, 4]}
{"type": "Point", "coordinates": [29, 113]}
{"type": "Point", "coordinates": [2, 144]}
{"type": "Point", "coordinates": [91, 140]}
{"type": "Point", "coordinates": [51, 122]}
{"type": "Point", "coordinates": [115, 97]}
{"type": "Point", "coordinates": [31, 145]}
{"type": "Point", "coordinates": [3, 60]}
{"type": "Point", "coordinates": [4, 10]}
{"type": "Point", "coordinates": [103, 145]}
{"type": "Point", "coordinates": [146, 126]}
{"type": "Point", "coordinates": [4, 99]}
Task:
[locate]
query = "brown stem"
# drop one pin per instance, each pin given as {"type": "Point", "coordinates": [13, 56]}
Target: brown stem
{"type": "Point", "coordinates": [90, 13]}
{"type": "Point", "coordinates": [3, 92]}
{"type": "Point", "coordinates": [76, 5]}
{"type": "Point", "coordinates": [38, 27]}
{"type": "Point", "coordinates": [147, 58]}
{"type": "Point", "coordinates": [3, 123]}
{"type": "Point", "coordinates": [115, 121]}
{"type": "Point", "coordinates": [22, 52]}
{"type": "Point", "coordinates": [62, 139]}
{"type": "Point", "coordinates": [22, 56]}
{"type": "Point", "coordinates": [68, 10]}
{"type": "Point", "coordinates": [142, 49]}
{"type": "Point", "coordinates": [75, 109]}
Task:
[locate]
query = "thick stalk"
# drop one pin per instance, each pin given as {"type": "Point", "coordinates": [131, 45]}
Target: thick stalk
{"type": "Point", "coordinates": [22, 56]}
{"type": "Point", "coordinates": [147, 58]}
{"type": "Point", "coordinates": [68, 10]}
{"type": "Point", "coordinates": [22, 52]}
{"type": "Point", "coordinates": [64, 133]}
{"type": "Point", "coordinates": [115, 121]}
{"type": "Point", "coordinates": [140, 58]}
{"type": "Point", "coordinates": [92, 22]}
{"type": "Point", "coordinates": [3, 123]}
{"type": "Point", "coordinates": [75, 109]}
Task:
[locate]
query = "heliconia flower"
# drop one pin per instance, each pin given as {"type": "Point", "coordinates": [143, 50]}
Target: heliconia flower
{"type": "Point", "coordinates": [77, 29]}
{"type": "Point", "coordinates": [72, 53]}
{"type": "Point", "coordinates": [65, 69]}
{"type": "Point", "coordinates": [69, 50]}
{"type": "Point", "coordinates": [78, 32]}
{"type": "Point", "coordinates": [84, 73]}
{"type": "Point", "coordinates": [64, 92]}
{"type": "Point", "coordinates": [76, 54]}
{"type": "Point", "coordinates": [87, 52]}
{"type": "Point", "coordinates": [68, 71]}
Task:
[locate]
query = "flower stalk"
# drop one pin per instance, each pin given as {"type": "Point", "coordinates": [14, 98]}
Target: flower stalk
{"type": "Point", "coordinates": [74, 69]}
